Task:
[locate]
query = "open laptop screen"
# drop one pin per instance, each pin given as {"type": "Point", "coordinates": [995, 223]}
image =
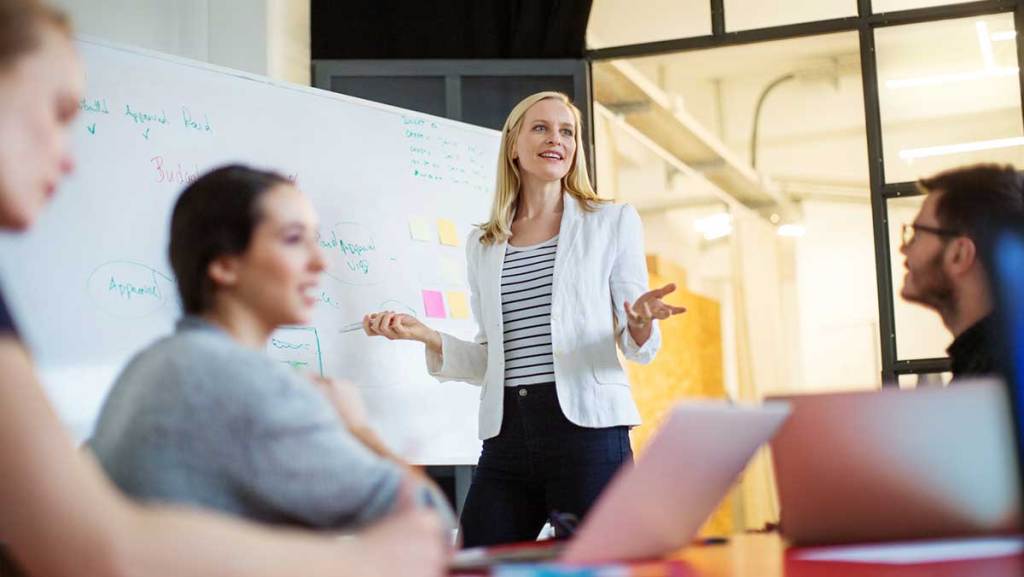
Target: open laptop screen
{"type": "Point", "coordinates": [1006, 269]}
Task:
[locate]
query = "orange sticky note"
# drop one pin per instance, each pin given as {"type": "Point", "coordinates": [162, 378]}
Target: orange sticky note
{"type": "Point", "coordinates": [446, 231]}
{"type": "Point", "coordinates": [458, 308]}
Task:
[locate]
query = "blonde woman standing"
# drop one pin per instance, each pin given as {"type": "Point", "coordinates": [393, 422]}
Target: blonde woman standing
{"type": "Point", "coordinates": [558, 278]}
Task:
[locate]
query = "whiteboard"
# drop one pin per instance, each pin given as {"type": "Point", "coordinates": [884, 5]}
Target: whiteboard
{"type": "Point", "coordinates": [91, 284]}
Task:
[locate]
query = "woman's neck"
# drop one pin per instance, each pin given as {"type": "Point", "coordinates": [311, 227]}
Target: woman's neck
{"type": "Point", "coordinates": [537, 197]}
{"type": "Point", "coordinates": [241, 323]}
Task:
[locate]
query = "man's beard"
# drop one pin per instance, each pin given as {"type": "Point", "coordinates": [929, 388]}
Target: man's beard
{"type": "Point", "coordinates": [934, 287]}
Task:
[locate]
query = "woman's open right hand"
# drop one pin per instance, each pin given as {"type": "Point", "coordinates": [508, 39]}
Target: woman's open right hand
{"type": "Point", "coordinates": [398, 326]}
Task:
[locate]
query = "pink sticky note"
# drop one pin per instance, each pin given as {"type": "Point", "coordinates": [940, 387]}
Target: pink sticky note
{"type": "Point", "coordinates": [433, 304]}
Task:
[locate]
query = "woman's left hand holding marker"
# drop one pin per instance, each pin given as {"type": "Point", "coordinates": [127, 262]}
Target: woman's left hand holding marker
{"type": "Point", "coordinates": [399, 326]}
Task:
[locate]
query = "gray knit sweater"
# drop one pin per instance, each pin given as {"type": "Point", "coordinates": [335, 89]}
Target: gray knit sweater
{"type": "Point", "coordinates": [197, 418]}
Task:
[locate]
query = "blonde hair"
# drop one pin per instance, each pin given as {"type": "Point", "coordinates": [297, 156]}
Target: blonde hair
{"type": "Point", "coordinates": [576, 182]}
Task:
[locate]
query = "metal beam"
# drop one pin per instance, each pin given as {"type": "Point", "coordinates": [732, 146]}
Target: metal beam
{"type": "Point", "coordinates": [717, 17]}
{"type": "Point", "coordinates": [879, 208]}
{"type": "Point", "coordinates": [919, 366]}
{"type": "Point", "coordinates": [847, 24]}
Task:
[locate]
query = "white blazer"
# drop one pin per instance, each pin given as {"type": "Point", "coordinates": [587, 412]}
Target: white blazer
{"type": "Point", "coordinates": [599, 263]}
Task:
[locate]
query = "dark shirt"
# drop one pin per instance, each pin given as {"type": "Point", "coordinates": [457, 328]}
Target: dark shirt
{"type": "Point", "coordinates": [7, 565]}
{"type": "Point", "coordinates": [6, 322]}
{"type": "Point", "coordinates": [974, 353]}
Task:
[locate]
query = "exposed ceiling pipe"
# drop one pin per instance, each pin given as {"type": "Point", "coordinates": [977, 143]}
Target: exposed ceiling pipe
{"type": "Point", "coordinates": [828, 70]}
{"type": "Point", "coordinates": [757, 113]}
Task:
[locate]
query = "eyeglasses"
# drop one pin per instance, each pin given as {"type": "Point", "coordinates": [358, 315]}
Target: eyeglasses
{"type": "Point", "coordinates": [909, 232]}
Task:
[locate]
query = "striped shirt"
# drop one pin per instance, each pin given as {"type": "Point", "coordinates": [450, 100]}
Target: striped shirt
{"type": "Point", "coordinates": [526, 313]}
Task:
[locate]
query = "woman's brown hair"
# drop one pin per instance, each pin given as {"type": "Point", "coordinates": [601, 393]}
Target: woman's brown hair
{"type": "Point", "coordinates": [21, 25]}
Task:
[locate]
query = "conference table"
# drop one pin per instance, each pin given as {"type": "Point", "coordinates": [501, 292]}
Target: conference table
{"type": "Point", "coordinates": [766, 555]}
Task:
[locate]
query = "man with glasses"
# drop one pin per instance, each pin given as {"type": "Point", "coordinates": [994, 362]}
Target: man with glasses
{"type": "Point", "coordinates": [945, 271]}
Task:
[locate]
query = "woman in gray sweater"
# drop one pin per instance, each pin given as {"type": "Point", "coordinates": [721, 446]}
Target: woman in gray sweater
{"type": "Point", "coordinates": [205, 417]}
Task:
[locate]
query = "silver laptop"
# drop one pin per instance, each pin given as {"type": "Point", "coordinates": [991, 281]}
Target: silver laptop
{"type": "Point", "coordinates": [892, 464]}
{"type": "Point", "coordinates": [655, 507]}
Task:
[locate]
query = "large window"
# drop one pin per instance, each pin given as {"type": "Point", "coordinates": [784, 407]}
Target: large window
{"type": "Point", "coordinates": [949, 93]}
{"type": "Point", "coordinates": [772, 147]}
{"type": "Point", "coordinates": [790, 263]}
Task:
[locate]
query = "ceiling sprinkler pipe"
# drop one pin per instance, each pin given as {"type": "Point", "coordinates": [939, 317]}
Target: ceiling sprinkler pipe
{"type": "Point", "coordinates": [757, 114]}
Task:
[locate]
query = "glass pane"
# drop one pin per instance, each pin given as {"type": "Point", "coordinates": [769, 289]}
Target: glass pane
{"type": "Point", "coordinates": [835, 264]}
{"type": "Point", "coordinates": [811, 127]}
{"type": "Point", "coordinates": [747, 14]}
{"type": "Point", "coordinates": [878, 6]}
{"type": "Point", "coordinates": [669, 127]}
{"type": "Point", "coordinates": [621, 22]}
{"type": "Point", "coordinates": [949, 95]}
{"type": "Point", "coordinates": [920, 333]}
{"type": "Point", "coordinates": [912, 381]}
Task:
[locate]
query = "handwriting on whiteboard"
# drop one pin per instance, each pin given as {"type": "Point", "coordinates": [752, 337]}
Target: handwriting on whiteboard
{"type": "Point", "coordinates": [297, 347]}
{"type": "Point", "coordinates": [173, 172]}
{"type": "Point", "coordinates": [129, 289]}
{"type": "Point", "coordinates": [352, 254]}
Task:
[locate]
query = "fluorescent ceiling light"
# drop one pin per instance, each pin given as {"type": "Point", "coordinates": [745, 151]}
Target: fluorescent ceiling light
{"type": "Point", "coordinates": [912, 153]}
{"type": "Point", "coordinates": [714, 226]}
{"type": "Point", "coordinates": [792, 229]}
{"type": "Point", "coordinates": [985, 43]}
{"type": "Point", "coordinates": [990, 70]}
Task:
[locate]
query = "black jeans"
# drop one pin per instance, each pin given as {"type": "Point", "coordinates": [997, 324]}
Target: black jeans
{"type": "Point", "coordinates": [539, 462]}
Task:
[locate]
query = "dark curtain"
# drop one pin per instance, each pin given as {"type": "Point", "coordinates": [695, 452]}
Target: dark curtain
{"type": "Point", "coordinates": [448, 29]}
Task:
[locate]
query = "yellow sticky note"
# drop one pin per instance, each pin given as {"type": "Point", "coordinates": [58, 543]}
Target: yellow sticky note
{"type": "Point", "coordinates": [419, 228]}
{"type": "Point", "coordinates": [458, 307]}
{"type": "Point", "coordinates": [446, 230]}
